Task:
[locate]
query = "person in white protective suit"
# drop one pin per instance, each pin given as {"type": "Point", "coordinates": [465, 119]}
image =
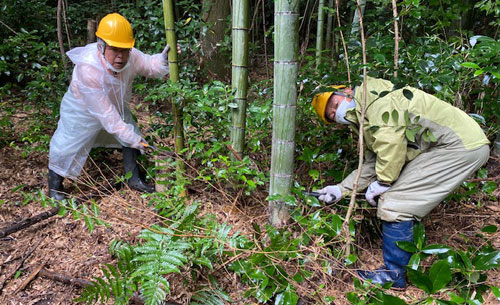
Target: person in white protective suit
{"type": "Point", "coordinates": [94, 111]}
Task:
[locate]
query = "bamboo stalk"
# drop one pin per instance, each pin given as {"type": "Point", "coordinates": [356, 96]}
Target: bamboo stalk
{"type": "Point", "coordinates": [284, 107]}
{"type": "Point", "coordinates": [329, 25]}
{"type": "Point", "coordinates": [239, 74]}
{"type": "Point", "coordinates": [168, 15]}
{"type": "Point", "coordinates": [319, 32]}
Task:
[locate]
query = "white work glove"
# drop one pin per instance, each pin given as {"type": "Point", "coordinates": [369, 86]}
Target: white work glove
{"type": "Point", "coordinates": [165, 52]}
{"type": "Point", "coordinates": [375, 189]}
{"type": "Point", "coordinates": [141, 146]}
{"type": "Point", "coordinates": [331, 193]}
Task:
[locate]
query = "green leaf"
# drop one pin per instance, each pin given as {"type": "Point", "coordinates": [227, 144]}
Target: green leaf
{"type": "Point", "coordinates": [496, 291]}
{"type": "Point", "coordinates": [385, 117]}
{"type": "Point", "coordinates": [407, 118]}
{"type": "Point", "coordinates": [314, 174]}
{"type": "Point", "coordinates": [419, 235]}
{"type": "Point", "coordinates": [478, 72]}
{"type": "Point", "coordinates": [486, 261]}
{"type": "Point", "coordinates": [407, 246]}
{"type": "Point", "coordinates": [384, 93]}
{"type": "Point", "coordinates": [440, 275]}
{"type": "Point", "coordinates": [469, 64]}
{"type": "Point", "coordinates": [489, 229]}
{"type": "Point", "coordinates": [410, 134]}
{"type": "Point", "coordinates": [393, 300]}
{"type": "Point", "coordinates": [408, 94]}
{"type": "Point", "coordinates": [288, 297]}
{"type": "Point", "coordinates": [420, 280]}
{"type": "Point", "coordinates": [414, 261]}
{"type": "Point", "coordinates": [489, 187]}
{"type": "Point", "coordinates": [395, 116]}
{"type": "Point", "coordinates": [435, 249]}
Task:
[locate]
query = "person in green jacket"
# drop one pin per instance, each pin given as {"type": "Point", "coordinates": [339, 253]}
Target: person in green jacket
{"type": "Point", "coordinates": [418, 149]}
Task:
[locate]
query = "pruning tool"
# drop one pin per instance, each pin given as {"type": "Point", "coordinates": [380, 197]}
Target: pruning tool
{"type": "Point", "coordinates": [316, 194]}
{"type": "Point", "coordinates": [152, 148]}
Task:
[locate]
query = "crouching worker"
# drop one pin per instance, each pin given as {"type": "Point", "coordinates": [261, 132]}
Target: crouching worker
{"type": "Point", "coordinates": [409, 176]}
{"type": "Point", "coordinates": [94, 111]}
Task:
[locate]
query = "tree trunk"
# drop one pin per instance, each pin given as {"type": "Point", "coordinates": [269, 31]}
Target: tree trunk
{"type": "Point", "coordinates": [168, 14]}
{"type": "Point", "coordinates": [215, 16]}
{"type": "Point", "coordinates": [319, 32]}
{"type": "Point", "coordinates": [239, 73]}
{"type": "Point", "coordinates": [284, 107]}
{"type": "Point", "coordinates": [59, 33]}
{"type": "Point", "coordinates": [91, 29]}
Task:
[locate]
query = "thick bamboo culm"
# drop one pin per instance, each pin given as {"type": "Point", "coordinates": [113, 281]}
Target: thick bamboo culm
{"type": "Point", "coordinates": [284, 107]}
{"type": "Point", "coordinates": [239, 74]}
{"type": "Point", "coordinates": [168, 14]}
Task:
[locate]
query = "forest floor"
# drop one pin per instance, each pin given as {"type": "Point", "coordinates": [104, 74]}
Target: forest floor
{"type": "Point", "coordinates": [63, 245]}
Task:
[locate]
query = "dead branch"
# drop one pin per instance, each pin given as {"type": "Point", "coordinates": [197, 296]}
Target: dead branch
{"type": "Point", "coordinates": [59, 32]}
{"type": "Point", "coordinates": [484, 179]}
{"type": "Point", "coordinates": [29, 278]}
{"type": "Point", "coordinates": [19, 264]}
{"type": "Point", "coordinates": [352, 203]}
{"type": "Point", "coordinates": [343, 43]}
{"type": "Point", "coordinates": [28, 222]}
{"type": "Point", "coordinates": [236, 155]}
{"type": "Point", "coordinates": [396, 37]}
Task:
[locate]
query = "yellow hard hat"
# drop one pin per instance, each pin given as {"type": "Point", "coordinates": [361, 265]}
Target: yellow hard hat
{"type": "Point", "coordinates": [320, 101]}
{"type": "Point", "coordinates": [116, 31]}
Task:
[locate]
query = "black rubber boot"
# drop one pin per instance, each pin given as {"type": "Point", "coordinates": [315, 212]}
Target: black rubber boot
{"type": "Point", "coordinates": [135, 182]}
{"type": "Point", "coordinates": [56, 190]}
{"type": "Point", "coordinates": [395, 258]}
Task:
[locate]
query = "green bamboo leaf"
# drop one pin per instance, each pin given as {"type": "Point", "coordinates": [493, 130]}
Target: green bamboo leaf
{"type": "Point", "coordinates": [420, 280]}
{"type": "Point", "coordinates": [395, 116]}
{"type": "Point", "coordinates": [385, 117]}
{"type": "Point", "coordinates": [440, 275]}
{"type": "Point", "coordinates": [408, 94]}
{"type": "Point", "coordinates": [469, 64]}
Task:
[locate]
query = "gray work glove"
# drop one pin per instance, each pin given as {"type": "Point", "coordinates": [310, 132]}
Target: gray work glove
{"type": "Point", "coordinates": [374, 190]}
{"type": "Point", "coordinates": [165, 52]}
{"type": "Point", "coordinates": [330, 194]}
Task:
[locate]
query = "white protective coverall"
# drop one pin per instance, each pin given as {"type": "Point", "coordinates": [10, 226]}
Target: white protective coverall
{"type": "Point", "coordinates": [94, 111]}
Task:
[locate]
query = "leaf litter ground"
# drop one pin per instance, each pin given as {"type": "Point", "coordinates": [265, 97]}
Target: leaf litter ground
{"type": "Point", "coordinates": [63, 245]}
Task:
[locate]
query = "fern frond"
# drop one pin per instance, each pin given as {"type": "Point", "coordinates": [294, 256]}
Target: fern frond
{"type": "Point", "coordinates": [154, 290]}
{"type": "Point", "coordinates": [204, 297]}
